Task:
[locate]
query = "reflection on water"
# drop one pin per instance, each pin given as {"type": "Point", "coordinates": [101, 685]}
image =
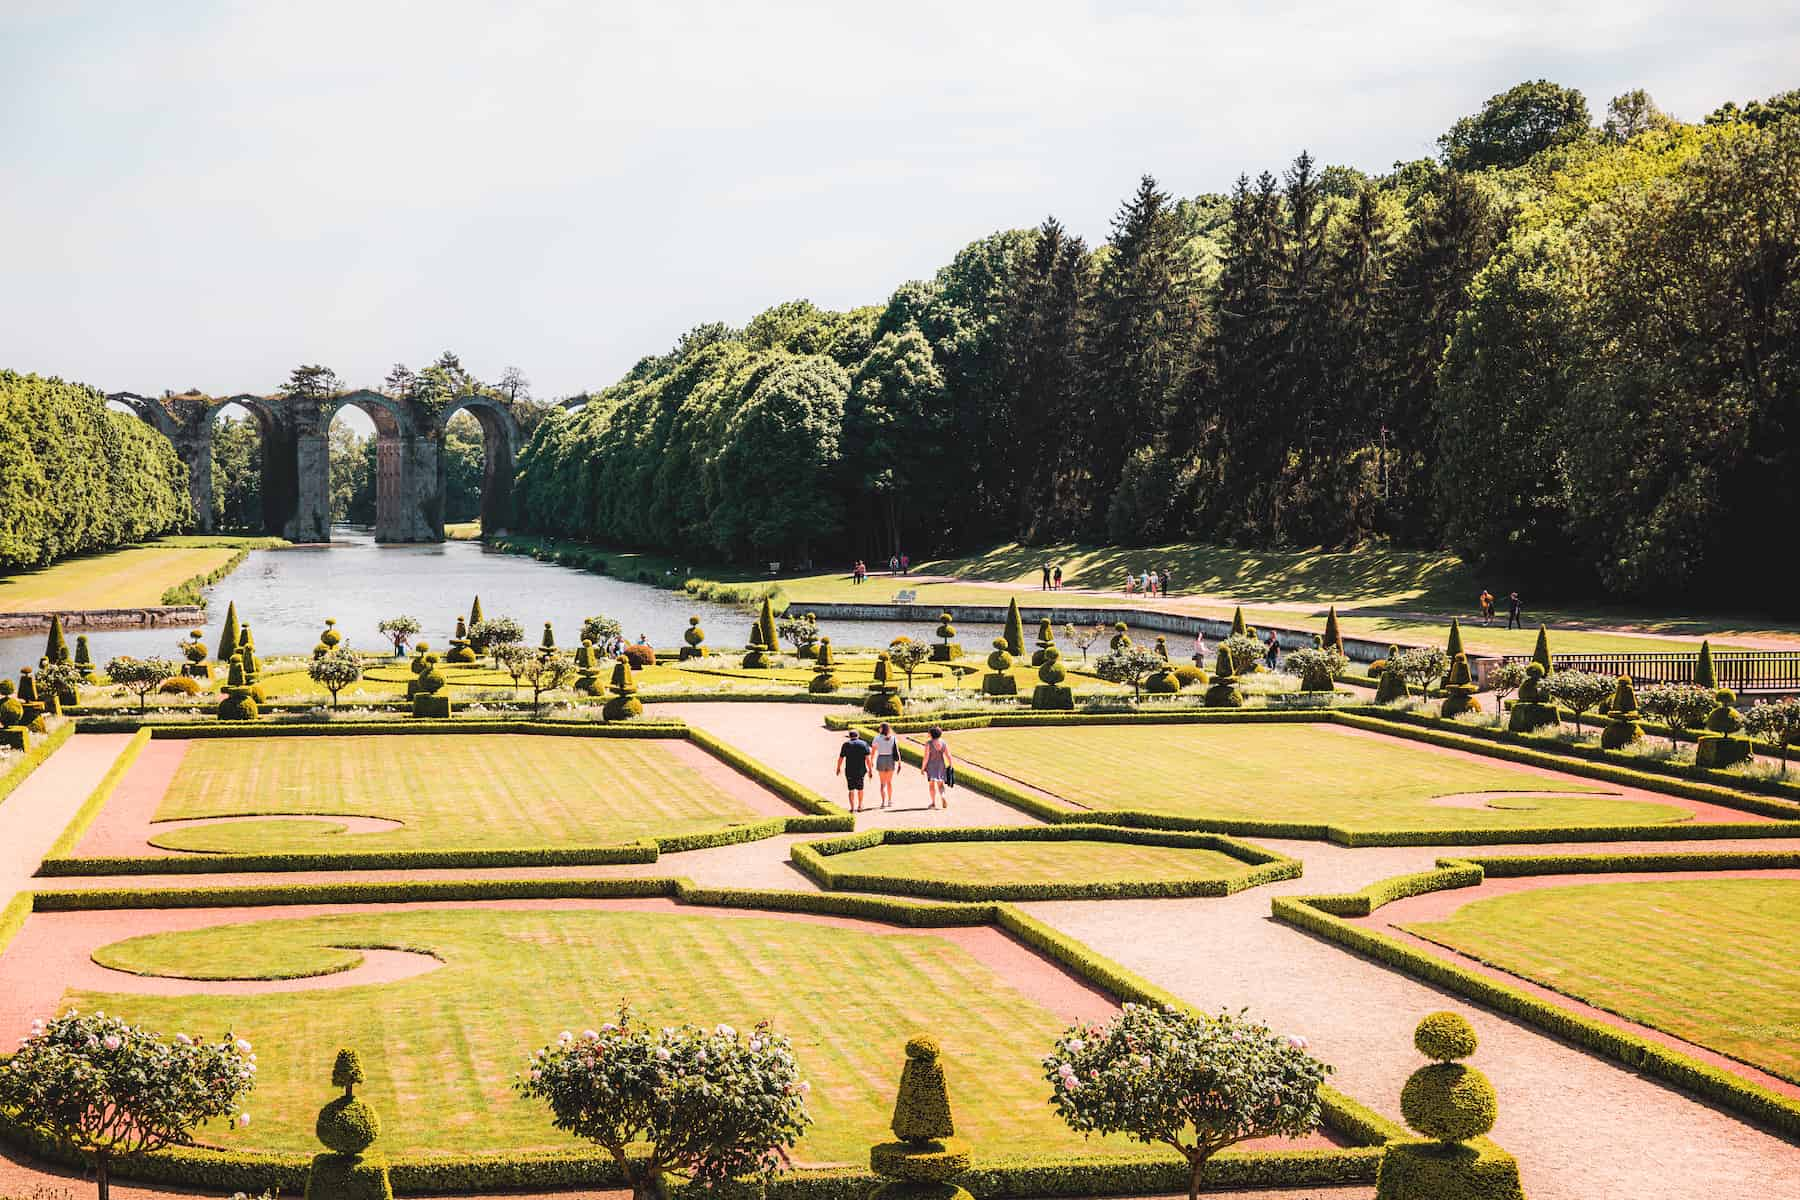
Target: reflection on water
{"type": "Point", "coordinates": [285, 596]}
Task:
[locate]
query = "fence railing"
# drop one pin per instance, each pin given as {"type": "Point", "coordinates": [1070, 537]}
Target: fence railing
{"type": "Point", "coordinates": [1740, 670]}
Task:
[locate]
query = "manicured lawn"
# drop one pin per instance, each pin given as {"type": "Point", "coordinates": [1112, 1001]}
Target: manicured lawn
{"type": "Point", "coordinates": [135, 577]}
{"type": "Point", "coordinates": [450, 790]}
{"type": "Point", "coordinates": [1007, 863]}
{"type": "Point", "coordinates": [441, 1049]}
{"type": "Point", "coordinates": [1710, 961]}
{"type": "Point", "coordinates": [1287, 773]}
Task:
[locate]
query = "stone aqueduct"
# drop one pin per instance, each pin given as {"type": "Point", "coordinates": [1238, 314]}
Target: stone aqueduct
{"type": "Point", "coordinates": [296, 497]}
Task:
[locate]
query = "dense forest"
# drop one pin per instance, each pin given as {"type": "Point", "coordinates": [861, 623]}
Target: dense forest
{"type": "Point", "coordinates": [1566, 349]}
{"type": "Point", "coordinates": [77, 476]}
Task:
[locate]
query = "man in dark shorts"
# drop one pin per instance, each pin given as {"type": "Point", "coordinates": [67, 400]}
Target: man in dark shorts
{"type": "Point", "coordinates": [853, 765]}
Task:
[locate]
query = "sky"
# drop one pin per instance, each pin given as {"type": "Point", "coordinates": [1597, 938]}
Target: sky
{"type": "Point", "coordinates": [206, 194]}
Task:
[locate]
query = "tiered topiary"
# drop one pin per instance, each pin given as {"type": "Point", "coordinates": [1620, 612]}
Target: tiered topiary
{"type": "Point", "coordinates": [239, 700]}
{"type": "Point", "coordinates": [56, 646]}
{"type": "Point", "coordinates": [1723, 740]}
{"type": "Point", "coordinates": [462, 650]}
{"type": "Point", "coordinates": [549, 641]}
{"type": "Point", "coordinates": [1392, 684]}
{"type": "Point", "coordinates": [348, 1127]}
{"type": "Point", "coordinates": [1163, 682]}
{"type": "Point", "coordinates": [328, 640]}
{"type": "Point", "coordinates": [429, 697]}
{"type": "Point", "coordinates": [1015, 629]}
{"type": "Point", "coordinates": [883, 699]}
{"type": "Point", "coordinates": [623, 704]}
{"type": "Point", "coordinates": [194, 651]}
{"type": "Point", "coordinates": [824, 678]}
{"type": "Point", "coordinates": [247, 650]}
{"type": "Point", "coordinates": [1534, 708]}
{"type": "Point", "coordinates": [1459, 691]}
{"type": "Point", "coordinates": [927, 1154]}
{"type": "Point", "coordinates": [1052, 694]}
{"type": "Point", "coordinates": [1334, 637]}
{"type": "Point", "coordinates": [1224, 691]}
{"type": "Point", "coordinates": [1452, 1104]}
{"type": "Point", "coordinates": [695, 637]}
{"type": "Point", "coordinates": [947, 648]}
{"type": "Point", "coordinates": [1121, 636]}
{"type": "Point", "coordinates": [587, 669]}
{"type": "Point", "coordinates": [1045, 640]}
{"type": "Point", "coordinates": [1622, 716]}
{"type": "Point", "coordinates": [28, 696]}
{"type": "Point", "coordinates": [999, 681]}
{"type": "Point", "coordinates": [84, 658]}
{"type": "Point", "coordinates": [758, 654]}
{"type": "Point", "coordinates": [417, 665]}
{"type": "Point", "coordinates": [15, 734]}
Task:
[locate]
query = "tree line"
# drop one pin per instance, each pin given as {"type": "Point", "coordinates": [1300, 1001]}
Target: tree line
{"type": "Point", "coordinates": [77, 476]}
{"type": "Point", "coordinates": [1562, 348]}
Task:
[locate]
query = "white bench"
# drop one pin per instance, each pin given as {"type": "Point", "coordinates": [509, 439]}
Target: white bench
{"type": "Point", "coordinates": [908, 596]}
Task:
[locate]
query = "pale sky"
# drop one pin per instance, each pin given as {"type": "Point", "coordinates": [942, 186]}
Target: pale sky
{"type": "Point", "coordinates": [205, 194]}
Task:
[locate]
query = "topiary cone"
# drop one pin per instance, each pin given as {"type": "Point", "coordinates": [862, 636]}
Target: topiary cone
{"type": "Point", "coordinates": [624, 702]}
{"type": "Point", "coordinates": [549, 642]}
{"type": "Point", "coordinates": [475, 613]}
{"type": "Point", "coordinates": [1704, 674]}
{"type": "Point", "coordinates": [824, 678]}
{"type": "Point", "coordinates": [1540, 654]}
{"type": "Point", "coordinates": [56, 647]}
{"type": "Point", "coordinates": [1237, 622]}
{"type": "Point", "coordinates": [1015, 629]}
{"type": "Point", "coordinates": [1334, 638]}
{"type": "Point", "coordinates": [1459, 689]}
{"type": "Point", "coordinates": [766, 627]}
{"type": "Point", "coordinates": [83, 657]}
{"type": "Point", "coordinates": [228, 636]}
{"type": "Point", "coordinates": [1454, 647]}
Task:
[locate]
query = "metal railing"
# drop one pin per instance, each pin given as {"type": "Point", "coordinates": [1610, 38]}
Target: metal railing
{"type": "Point", "coordinates": [1740, 670]}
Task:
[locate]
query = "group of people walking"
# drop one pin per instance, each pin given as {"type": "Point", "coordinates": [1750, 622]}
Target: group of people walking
{"type": "Point", "coordinates": [898, 564]}
{"type": "Point", "coordinates": [1514, 609]}
{"type": "Point", "coordinates": [1148, 582]}
{"type": "Point", "coordinates": [853, 763]}
{"type": "Point", "coordinates": [1052, 578]}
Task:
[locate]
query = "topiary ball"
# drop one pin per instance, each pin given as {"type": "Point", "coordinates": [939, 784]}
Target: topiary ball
{"type": "Point", "coordinates": [347, 1125]}
{"type": "Point", "coordinates": [1449, 1101]}
{"type": "Point", "coordinates": [1445, 1036]}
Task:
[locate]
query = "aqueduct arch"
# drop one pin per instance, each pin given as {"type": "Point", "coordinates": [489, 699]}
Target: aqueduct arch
{"type": "Point", "coordinates": [296, 467]}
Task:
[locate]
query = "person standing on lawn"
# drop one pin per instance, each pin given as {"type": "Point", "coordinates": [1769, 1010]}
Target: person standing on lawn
{"type": "Point", "coordinates": [1513, 607]}
{"type": "Point", "coordinates": [1056, 578]}
{"type": "Point", "coordinates": [937, 768]}
{"type": "Point", "coordinates": [887, 761]}
{"type": "Point", "coordinates": [853, 765]}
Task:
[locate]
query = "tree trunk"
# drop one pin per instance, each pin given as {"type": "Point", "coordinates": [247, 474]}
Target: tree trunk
{"type": "Point", "coordinates": [1196, 1164]}
{"type": "Point", "coordinates": [103, 1176]}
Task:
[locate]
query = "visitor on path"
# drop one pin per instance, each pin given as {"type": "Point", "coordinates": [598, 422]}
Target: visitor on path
{"type": "Point", "coordinates": [1165, 581]}
{"type": "Point", "coordinates": [937, 768]}
{"type": "Point", "coordinates": [1200, 648]}
{"type": "Point", "coordinates": [905, 563]}
{"type": "Point", "coordinates": [1056, 578]}
{"type": "Point", "coordinates": [893, 564]}
{"type": "Point", "coordinates": [1487, 606]}
{"type": "Point", "coordinates": [1044, 584]}
{"type": "Point", "coordinates": [1272, 654]}
{"type": "Point", "coordinates": [1513, 607]}
{"type": "Point", "coordinates": [887, 761]}
{"type": "Point", "coordinates": [1130, 582]}
{"type": "Point", "coordinates": [853, 765]}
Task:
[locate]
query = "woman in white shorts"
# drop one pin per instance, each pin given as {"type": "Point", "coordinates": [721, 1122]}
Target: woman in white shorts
{"type": "Point", "coordinates": [887, 761]}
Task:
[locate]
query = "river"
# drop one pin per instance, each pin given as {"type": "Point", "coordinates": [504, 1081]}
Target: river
{"type": "Point", "coordinates": [285, 596]}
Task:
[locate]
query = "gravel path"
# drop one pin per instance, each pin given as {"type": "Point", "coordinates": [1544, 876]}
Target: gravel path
{"type": "Point", "coordinates": [1580, 1126]}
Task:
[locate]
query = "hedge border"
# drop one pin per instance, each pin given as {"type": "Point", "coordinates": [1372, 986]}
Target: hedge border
{"type": "Point", "coordinates": [819, 816]}
{"type": "Point", "coordinates": [812, 858]}
{"type": "Point", "coordinates": [1325, 916]}
{"type": "Point", "coordinates": [1003, 1179]}
{"type": "Point", "coordinates": [1009, 793]}
{"type": "Point", "coordinates": [34, 758]}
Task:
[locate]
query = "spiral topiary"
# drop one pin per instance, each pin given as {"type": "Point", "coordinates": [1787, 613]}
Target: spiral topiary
{"type": "Point", "coordinates": [348, 1127]}
{"type": "Point", "coordinates": [1723, 741]}
{"type": "Point", "coordinates": [1224, 691]}
{"type": "Point", "coordinates": [623, 704]}
{"type": "Point", "coordinates": [695, 637]}
{"type": "Point", "coordinates": [1052, 694]}
{"type": "Point", "coordinates": [1459, 690]}
{"type": "Point", "coordinates": [824, 678]}
{"type": "Point", "coordinates": [999, 681]}
{"type": "Point", "coordinates": [883, 699]}
{"type": "Point", "coordinates": [927, 1152]}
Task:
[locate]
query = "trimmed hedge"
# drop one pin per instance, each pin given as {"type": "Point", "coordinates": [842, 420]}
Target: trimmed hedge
{"type": "Point", "coordinates": [396, 892]}
{"type": "Point", "coordinates": [645, 851]}
{"type": "Point", "coordinates": [207, 729]}
{"type": "Point", "coordinates": [1324, 917]}
{"type": "Point", "coordinates": [34, 757]}
{"type": "Point", "coordinates": [813, 858]}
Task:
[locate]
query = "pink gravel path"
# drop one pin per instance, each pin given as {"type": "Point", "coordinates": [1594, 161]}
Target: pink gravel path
{"type": "Point", "coordinates": [39, 809]}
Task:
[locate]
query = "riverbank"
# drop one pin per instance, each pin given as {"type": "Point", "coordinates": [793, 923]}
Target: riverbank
{"type": "Point", "coordinates": [168, 572]}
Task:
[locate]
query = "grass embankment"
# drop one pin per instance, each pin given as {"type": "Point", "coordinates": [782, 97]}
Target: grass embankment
{"type": "Point", "coordinates": [1708, 960]}
{"type": "Point", "coordinates": [169, 570]}
{"type": "Point", "coordinates": [442, 1049]}
{"type": "Point", "coordinates": [450, 791]}
{"type": "Point", "coordinates": [1299, 773]}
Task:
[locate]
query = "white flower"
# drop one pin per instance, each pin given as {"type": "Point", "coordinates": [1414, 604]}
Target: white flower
{"type": "Point", "coordinates": [565, 1037]}
{"type": "Point", "coordinates": [805, 1087]}
{"type": "Point", "coordinates": [184, 1040]}
{"type": "Point", "coordinates": [1296, 1041]}
{"type": "Point", "coordinates": [536, 1075]}
{"type": "Point", "coordinates": [243, 1120]}
{"type": "Point", "coordinates": [590, 1035]}
{"type": "Point", "coordinates": [243, 1047]}
{"type": "Point", "coordinates": [726, 1031]}
{"type": "Point", "coordinates": [1076, 1045]}
{"type": "Point", "coordinates": [662, 1054]}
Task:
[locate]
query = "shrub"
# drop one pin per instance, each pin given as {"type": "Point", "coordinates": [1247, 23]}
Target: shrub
{"type": "Point", "coordinates": [103, 1090]}
{"type": "Point", "coordinates": [334, 672]}
{"type": "Point", "coordinates": [1459, 689]}
{"type": "Point", "coordinates": [640, 656]}
{"type": "Point", "coordinates": [493, 632]}
{"type": "Point", "coordinates": [1246, 653]}
{"type": "Point", "coordinates": [1129, 664]}
{"type": "Point", "coordinates": [1776, 722]}
{"type": "Point", "coordinates": [60, 679]}
{"type": "Point", "coordinates": [179, 685]}
{"type": "Point", "coordinates": [140, 675]}
{"type": "Point", "coordinates": [1052, 694]}
{"type": "Point", "coordinates": [1318, 669]}
{"type": "Point", "coordinates": [1194, 1083]}
{"type": "Point", "coordinates": [1578, 691]}
{"type": "Point", "coordinates": [1190, 676]}
{"type": "Point", "coordinates": [709, 1103]}
{"type": "Point", "coordinates": [695, 638]}
{"type": "Point", "coordinates": [801, 632]}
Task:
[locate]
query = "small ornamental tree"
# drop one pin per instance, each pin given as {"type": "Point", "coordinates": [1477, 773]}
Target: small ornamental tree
{"type": "Point", "coordinates": [601, 630]}
{"type": "Point", "coordinates": [60, 679]}
{"type": "Point", "coordinates": [1196, 1084]}
{"type": "Point", "coordinates": [1129, 664]}
{"type": "Point", "coordinates": [1776, 722]}
{"type": "Point", "coordinates": [546, 673]}
{"type": "Point", "coordinates": [335, 672]}
{"type": "Point", "coordinates": [515, 659]}
{"type": "Point", "coordinates": [800, 632]}
{"type": "Point", "coordinates": [1506, 679]}
{"type": "Point", "coordinates": [105, 1090]}
{"type": "Point", "coordinates": [1673, 703]}
{"type": "Point", "coordinates": [710, 1103]}
{"type": "Point", "coordinates": [495, 632]}
{"type": "Point", "coordinates": [1578, 691]}
{"type": "Point", "coordinates": [1704, 674]}
{"type": "Point", "coordinates": [1246, 653]}
{"type": "Point", "coordinates": [140, 675]}
{"type": "Point", "coordinates": [1086, 635]}
{"type": "Point", "coordinates": [1420, 666]}
{"type": "Point", "coordinates": [398, 630]}
{"type": "Point", "coordinates": [908, 656]}
{"type": "Point", "coordinates": [1014, 632]}
{"type": "Point", "coordinates": [1317, 668]}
